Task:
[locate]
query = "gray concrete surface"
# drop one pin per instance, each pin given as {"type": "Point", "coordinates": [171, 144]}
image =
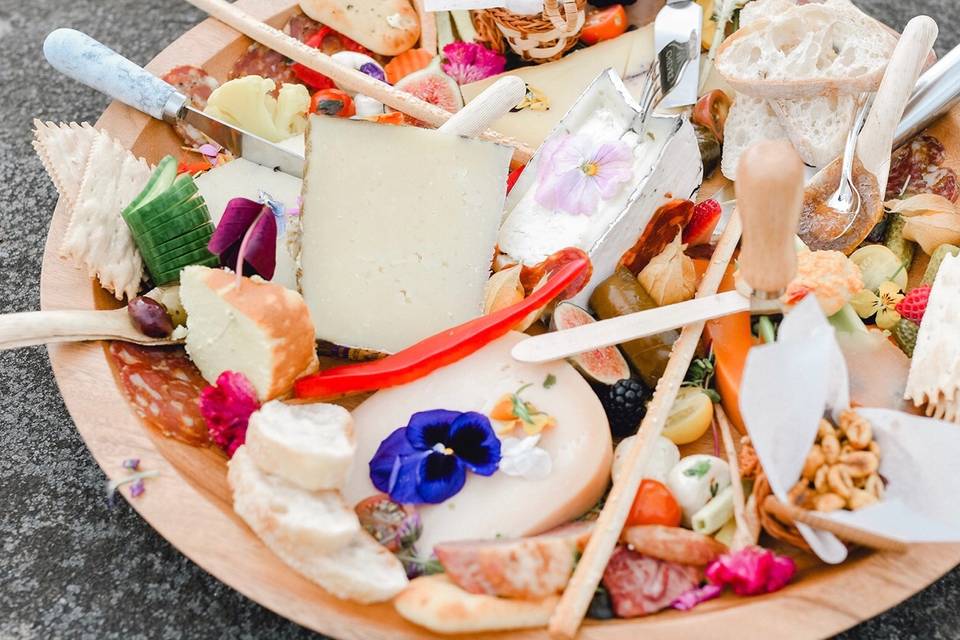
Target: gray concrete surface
{"type": "Point", "coordinates": [69, 567]}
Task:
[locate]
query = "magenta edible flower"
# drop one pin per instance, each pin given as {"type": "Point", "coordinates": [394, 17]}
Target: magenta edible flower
{"type": "Point", "coordinates": [751, 571]}
{"type": "Point", "coordinates": [469, 61]}
{"type": "Point", "coordinates": [226, 407]}
{"type": "Point", "coordinates": [689, 599]}
{"type": "Point", "coordinates": [575, 173]}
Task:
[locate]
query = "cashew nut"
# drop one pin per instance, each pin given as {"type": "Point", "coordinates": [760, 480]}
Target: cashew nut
{"type": "Point", "coordinates": [860, 498]}
{"type": "Point", "coordinates": [820, 479]}
{"type": "Point", "coordinates": [874, 486]}
{"type": "Point", "coordinates": [825, 429]}
{"type": "Point", "coordinates": [830, 446]}
{"type": "Point", "coordinates": [814, 461]}
{"type": "Point", "coordinates": [874, 448]}
{"type": "Point", "coordinates": [860, 463]}
{"type": "Point", "coordinates": [799, 494]}
{"type": "Point", "coordinates": [828, 502]}
{"type": "Point", "coordinates": [857, 429]}
{"type": "Point", "coordinates": [840, 480]}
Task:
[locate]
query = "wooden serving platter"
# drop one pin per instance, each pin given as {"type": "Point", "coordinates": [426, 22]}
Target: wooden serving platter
{"type": "Point", "coordinates": [190, 505]}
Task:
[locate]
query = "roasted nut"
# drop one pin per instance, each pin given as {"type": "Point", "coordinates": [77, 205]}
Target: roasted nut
{"type": "Point", "coordinates": [747, 459]}
{"type": "Point", "coordinates": [859, 499]}
{"type": "Point", "coordinates": [840, 480]}
{"type": "Point", "coordinates": [857, 429]}
{"type": "Point", "coordinates": [815, 460]}
{"type": "Point", "coordinates": [800, 494]}
{"type": "Point", "coordinates": [846, 448]}
{"type": "Point", "coordinates": [874, 486]}
{"type": "Point", "coordinates": [825, 429]}
{"type": "Point", "coordinates": [860, 463]}
{"type": "Point", "coordinates": [830, 446]}
{"type": "Point", "coordinates": [874, 448]}
{"type": "Point", "coordinates": [820, 479]}
{"type": "Point", "coordinates": [828, 502]}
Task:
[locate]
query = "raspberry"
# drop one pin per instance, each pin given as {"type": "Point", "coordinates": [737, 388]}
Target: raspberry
{"type": "Point", "coordinates": [914, 303]}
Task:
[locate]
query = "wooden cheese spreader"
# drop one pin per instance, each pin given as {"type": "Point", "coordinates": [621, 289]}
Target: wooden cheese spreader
{"type": "Point", "coordinates": [769, 196]}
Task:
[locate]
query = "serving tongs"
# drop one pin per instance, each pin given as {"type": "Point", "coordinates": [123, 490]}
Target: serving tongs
{"type": "Point", "coordinates": [32, 328]}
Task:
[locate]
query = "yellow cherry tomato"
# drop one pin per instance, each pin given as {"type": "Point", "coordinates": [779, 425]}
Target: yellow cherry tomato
{"type": "Point", "coordinates": [690, 416]}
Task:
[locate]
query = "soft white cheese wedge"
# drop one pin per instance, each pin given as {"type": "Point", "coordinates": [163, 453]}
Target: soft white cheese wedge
{"type": "Point", "coordinates": [310, 445]}
{"type": "Point", "coordinates": [399, 228]}
{"type": "Point", "coordinates": [666, 165]}
{"type": "Point", "coordinates": [309, 521]}
{"type": "Point", "coordinates": [256, 328]}
{"type": "Point", "coordinates": [244, 179]}
{"type": "Point", "coordinates": [500, 505]}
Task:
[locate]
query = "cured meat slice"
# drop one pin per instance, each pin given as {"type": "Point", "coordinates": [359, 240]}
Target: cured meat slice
{"type": "Point", "coordinates": [197, 85]}
{"type": "Point", "coordinates": [259, 60]}
{"type": "Point", "coordinates": [529, 568]}
{"type": "Point", "coordinates": [639, 585]}
{"type": "Point", "coordinates": [673, 544]}
{"type": "Point", "coordinates": [917, 167]}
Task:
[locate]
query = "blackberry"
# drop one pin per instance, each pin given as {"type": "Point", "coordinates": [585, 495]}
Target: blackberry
{"type": "Point", "coordinates": [625, 402]}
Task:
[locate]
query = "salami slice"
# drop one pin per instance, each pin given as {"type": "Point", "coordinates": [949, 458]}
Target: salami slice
{"type": "Point", "coordinates": [259, 60]}
{"type": "Point", "coordinates": [917, 167]}
{"type": "Point", "coordinates": [639, 585]}
{"type": "Point", "coordinates": [197, 85]}
{"type": "Point", "coordinates": [163, 387]}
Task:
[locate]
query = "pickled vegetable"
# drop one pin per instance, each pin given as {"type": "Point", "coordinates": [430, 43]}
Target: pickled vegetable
{"type": "Point", "coordinates": [690, 416]}
{"type": "Point", "coordinates": [936, 258]}
{"type": "Point", "coordinates": [619, 295]}
{"type": "Point", "coordinates": [894, 240]}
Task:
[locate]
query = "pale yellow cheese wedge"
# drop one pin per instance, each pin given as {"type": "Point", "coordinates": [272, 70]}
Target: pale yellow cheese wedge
{"type": "Point", "coordinates": [498, 505]}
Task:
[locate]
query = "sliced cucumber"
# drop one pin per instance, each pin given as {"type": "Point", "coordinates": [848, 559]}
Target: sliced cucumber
{"type": "Point", "coordinates": [181, 222]}
{"type": "Point", "coordinates": [166, 277]}
{"type": "Point", "coordinates": [176, 252]}
{"type": "Point", "coordinates": [152, 213]}
{"type": "Point", "coordinates": [160, 180]}
{"type": "Point", "coordinates": [184, 259]}
{"type": "Point", "coordinates": [877, 265]}
{"type": "Point", "coordinates": [201, 233]}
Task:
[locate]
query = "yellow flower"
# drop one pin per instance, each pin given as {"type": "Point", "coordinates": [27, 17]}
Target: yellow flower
{"type": "Point", "coordinates": [511, 412]}
{"type": "Point", "coordinates": [883, 304]}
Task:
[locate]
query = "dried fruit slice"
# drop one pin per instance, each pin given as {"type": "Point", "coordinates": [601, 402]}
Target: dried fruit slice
{"type": "Point", "coordinates": [606, 365]}
{"type": "Point", "coordinates": [434, 86]}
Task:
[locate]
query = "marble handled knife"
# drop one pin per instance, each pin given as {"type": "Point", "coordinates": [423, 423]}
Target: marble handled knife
{"type": "Point", "coordinates": [769, 196]}
{"type": "Point", "coordinates": [87, 61]}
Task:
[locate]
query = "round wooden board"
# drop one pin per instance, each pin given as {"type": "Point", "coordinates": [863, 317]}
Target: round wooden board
{"type": "Point", "coordinates": [190, 505]}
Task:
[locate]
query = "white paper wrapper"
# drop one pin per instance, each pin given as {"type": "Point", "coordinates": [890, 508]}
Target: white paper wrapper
{"type": "Point", "coordinates": [788, 386]}
{"type": "Point", "coordinates": [521, 7]}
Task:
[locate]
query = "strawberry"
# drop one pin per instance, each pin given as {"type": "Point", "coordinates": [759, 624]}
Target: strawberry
{"type": "Point", "coordinates": [914, 303]}
{"type": "Point", "coordinates": [704, 220]}
{"type": "Point", "coordinates": [905, 333]}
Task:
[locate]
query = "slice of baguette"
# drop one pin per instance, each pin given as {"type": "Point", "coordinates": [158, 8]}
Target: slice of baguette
{"type": "Point", "coordinates": [437, 604]}
{"type": "Point", "coordinates": [749, 120]}
{"type": "Point", "coordinates": [806, 51]}
{"type": "Point", "coordinates": [310, 522]}
{"type": "Point", "coordinates": [817, 127]}
{"type": "Point", "coordinates": [310, 445]}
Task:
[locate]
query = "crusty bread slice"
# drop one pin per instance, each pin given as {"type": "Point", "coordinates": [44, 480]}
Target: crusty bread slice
{"type": "Point", "coordinates": [437, 604]}
{"type": "Point", "coordinates": [749, 120]}
{"type": "Point", "coordinates": [817, 127]}
{"type": "Point", "coordinates": [310, 522]}
{"type": "Point", "coordinates": [806, 51]}
{"type": "Point", "coordinates": [310, 445]}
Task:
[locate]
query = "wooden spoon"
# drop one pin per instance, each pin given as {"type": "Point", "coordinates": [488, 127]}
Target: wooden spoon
{"type": "Point", "coordinates": [44, 327]}
{"type": "Point", "coordinates": [820, 226]}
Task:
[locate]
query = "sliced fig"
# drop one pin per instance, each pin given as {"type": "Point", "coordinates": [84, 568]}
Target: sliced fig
{"type": "Point", "coordinates": [606, 365]}
{"type": "Point", "coordinates": [434, 86]}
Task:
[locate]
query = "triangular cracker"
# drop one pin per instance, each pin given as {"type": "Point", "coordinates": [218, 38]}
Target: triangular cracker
{"type": "Point", "coordinates": [97, 235]}
{"type": "Point", "coordinates": [64, 150]}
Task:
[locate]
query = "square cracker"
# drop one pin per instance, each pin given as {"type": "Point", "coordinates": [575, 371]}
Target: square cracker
{"type": "Point", "coordinates": [64, 150]}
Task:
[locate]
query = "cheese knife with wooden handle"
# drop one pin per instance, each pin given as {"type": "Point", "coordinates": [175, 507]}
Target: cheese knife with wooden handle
{"type": "Point", "coordinates": [769, 196]}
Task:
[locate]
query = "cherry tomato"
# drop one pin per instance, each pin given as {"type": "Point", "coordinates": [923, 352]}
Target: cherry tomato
{"type": "Point", "coordinates": [654, 504]}
{"type": "Point", "coordinates": [711, 112]}
{"type": "Point", "coordinates": [332, 102]}
{"type": "Point", "coordinates": [329, 42]}
{"type": "Point", "coordinates": [604, 24]}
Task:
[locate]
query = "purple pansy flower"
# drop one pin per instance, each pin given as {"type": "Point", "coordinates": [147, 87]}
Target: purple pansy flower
{"type": "Point", "coordinates": [427, 461]}
{"type": "Point", "coordinates": [575, 173]}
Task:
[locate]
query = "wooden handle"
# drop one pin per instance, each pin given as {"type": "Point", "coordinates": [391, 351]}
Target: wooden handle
{"type": "Point", "coordinates": [876, 138]}
{"type": "Point", "coordinates": [495, 101]}
{"type": "Point", "coordinates": [576, 598]}
{"type": "Point", "coordinates": [769, 197]}
{"type": "Point", "coordinates": [44, 327]}
{"type": "Point", "coordinates": [343, 76]}
{"type": "Point", "coordinates": [788, 512]}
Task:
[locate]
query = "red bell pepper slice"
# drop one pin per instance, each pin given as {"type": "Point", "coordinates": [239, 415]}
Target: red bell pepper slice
{"type": "Point", "coordinates": [438, 350]}
{"type": "Point", "coordinates": [314, 79]}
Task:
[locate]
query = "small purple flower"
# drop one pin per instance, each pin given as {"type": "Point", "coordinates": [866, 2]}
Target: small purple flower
{"type": "Point", "coordinates": [131, 463]}
{"type": "Point", "coordinates": [136, 488]}
{"type": "Point", "coordinates": [426, 462]}
{"type": "Point", "coordinates": [575, 173]}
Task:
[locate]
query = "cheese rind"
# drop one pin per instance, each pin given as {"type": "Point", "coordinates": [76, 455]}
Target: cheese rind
{"type": "Point", "coordinates": [499, 505]}
{"type": "Point", "coordinates": [241, 178]}
{"type": "Point", "coordinates": [256, 328]}
{"type": "Point", "coordinates": [399, 228]}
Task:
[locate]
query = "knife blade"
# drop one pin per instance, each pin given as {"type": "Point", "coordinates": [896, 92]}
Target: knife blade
{"type": "Point", "coordinates": [680, 21]}
{"type": "Point", "coordinates": [80, 57]}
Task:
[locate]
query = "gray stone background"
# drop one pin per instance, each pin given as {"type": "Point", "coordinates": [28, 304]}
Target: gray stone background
{"type": "Point", "coordinates": [69, 567]}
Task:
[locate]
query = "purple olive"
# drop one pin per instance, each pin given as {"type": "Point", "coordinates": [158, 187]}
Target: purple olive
{"type": "Point", "coordinates": [150, 317]}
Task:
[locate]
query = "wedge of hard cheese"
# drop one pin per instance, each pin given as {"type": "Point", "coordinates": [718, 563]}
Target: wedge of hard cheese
{"type": "Point", "coordinates": [437, 604]}
{"type": "Point", "coordinates": [309, 445]}
{"type": "Point", "coordinates": [559, 83]}
{"type": "Point", "coordinates": [399, 228]}
{"type": "Point", "coordinates": [250, 326]}
{"type": "Point", "coordinates": [311, 522]}
{"type": "Point", "coordinates": [500, 505]}
{"type": "Point", "coordinates": [244, 179]}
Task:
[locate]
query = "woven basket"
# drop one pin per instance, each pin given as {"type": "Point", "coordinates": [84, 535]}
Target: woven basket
{"type": "Point", "coordinates": [783, 531]}
{"type": "Point", "coordinates": [535, 38]}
